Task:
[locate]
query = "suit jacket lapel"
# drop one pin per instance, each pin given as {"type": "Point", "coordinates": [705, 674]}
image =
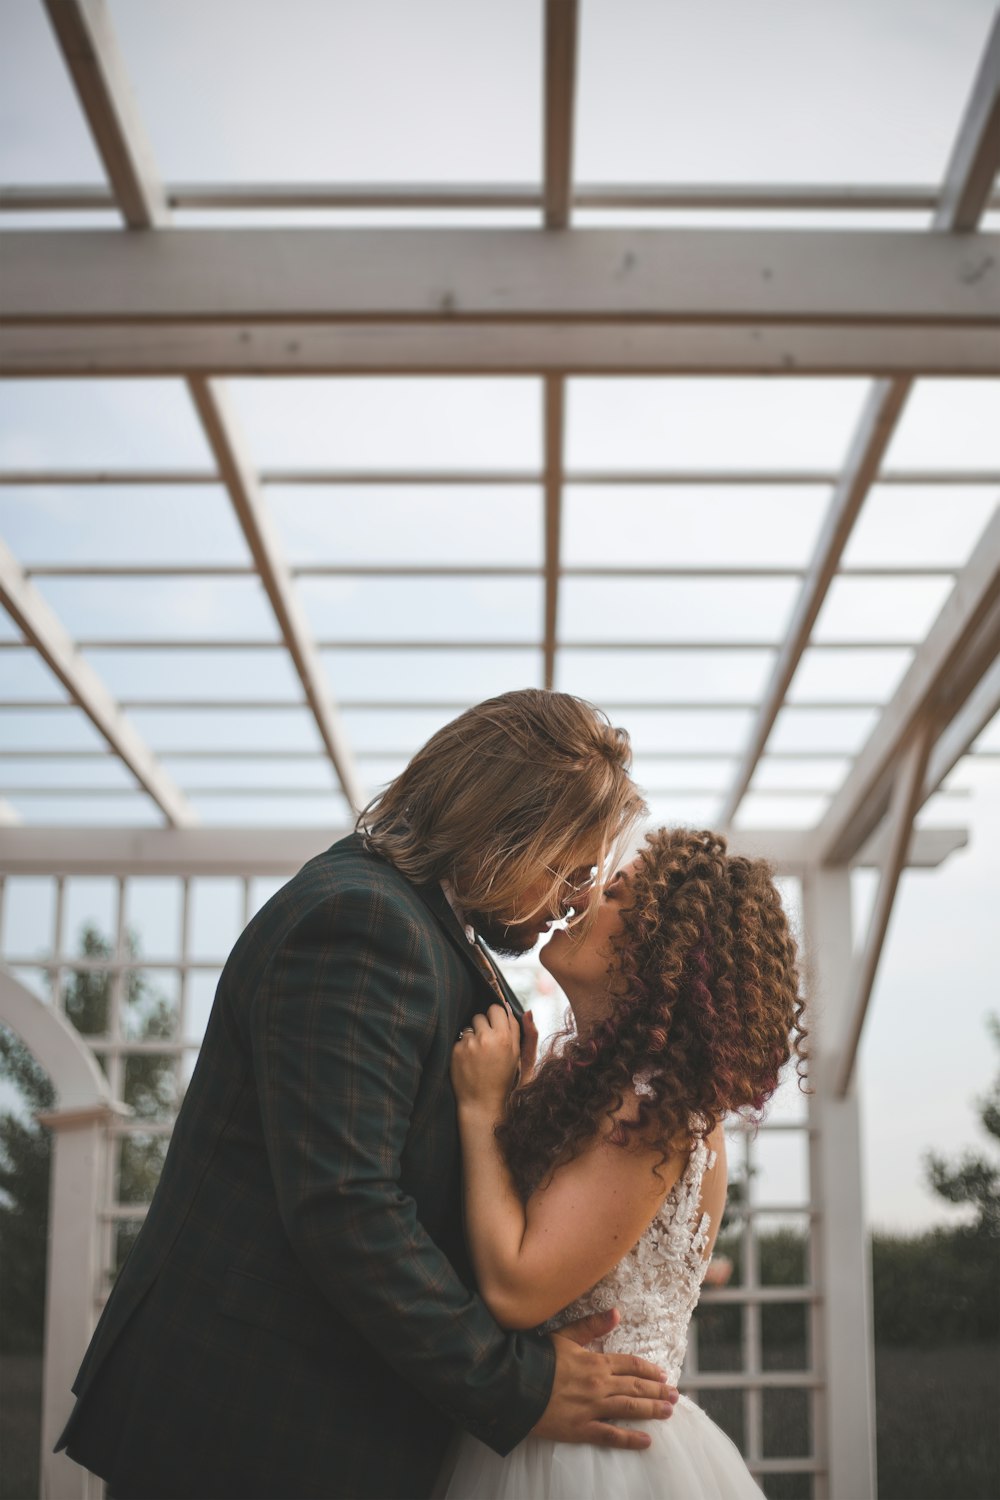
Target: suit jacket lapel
{"type": "Point", "coordinates": [509, 994]}
{"type": "Point", "coordinates": [435, 900]}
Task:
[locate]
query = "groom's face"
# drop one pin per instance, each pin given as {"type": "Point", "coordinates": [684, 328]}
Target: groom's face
{"type": "Point", "coordinates": [514, 934]}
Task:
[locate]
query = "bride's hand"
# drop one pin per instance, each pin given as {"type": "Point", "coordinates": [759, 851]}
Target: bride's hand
{"type": "Point", "coordinates": [484, 1060]}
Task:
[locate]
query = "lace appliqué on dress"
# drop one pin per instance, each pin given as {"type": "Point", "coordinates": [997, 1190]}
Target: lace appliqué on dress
{"type": "Point", "coordinates": [656, 1285]}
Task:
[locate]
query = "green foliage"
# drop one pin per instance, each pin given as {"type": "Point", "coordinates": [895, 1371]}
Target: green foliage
{"type": "Point", "coordinates": [936, 1309]}
{"type": "Point", "coordinates": [140, 1163]}
{"type": "Point", "coordinates": [24, 1201]}
{"type": "Point", "coordinates": [736, 1198]}
{"type": "Point", "coordinates": [934, 1289]}
{"type": "Point", "coordinates": [781, 1261]}
{"type": "Point", "coordinates": [938, 1288]}
{"type": "Point", "coordinates": [781, 1256]}
{"type": "Point", "coordinates": [149, 1089]}
{"type": "Point", "coordinates": [974, 1179]}
{"type": "Point", "coordinates": [971, 1180]}
{"type": "Point", "coordinates": [936, 1422]}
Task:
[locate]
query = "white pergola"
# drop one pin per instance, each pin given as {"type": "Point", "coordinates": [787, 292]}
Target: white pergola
{"type": "Point", "coordinates": [557, 303]}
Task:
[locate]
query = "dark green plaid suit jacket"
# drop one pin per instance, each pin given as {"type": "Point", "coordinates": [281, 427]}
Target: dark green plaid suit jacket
{"type": "Point", "coordinates": [297, 1317]}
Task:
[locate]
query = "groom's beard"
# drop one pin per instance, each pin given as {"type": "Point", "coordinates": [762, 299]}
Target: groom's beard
{"type": "Point", "coordinates": [508, 940]}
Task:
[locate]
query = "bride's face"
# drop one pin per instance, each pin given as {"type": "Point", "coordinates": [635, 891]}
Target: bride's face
{"type": "Point", "coordinates": [579, 957]}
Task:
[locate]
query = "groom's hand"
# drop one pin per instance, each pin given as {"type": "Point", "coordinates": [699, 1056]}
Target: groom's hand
{"type": "Point", "coordinates": [593, 1391]}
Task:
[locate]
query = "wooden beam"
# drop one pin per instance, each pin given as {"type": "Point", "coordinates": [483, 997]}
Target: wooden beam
{"type": "Point", "coordinates": [222, 851]}
{"type": "Point", "coordinates": [281, 197]}
{"type": "Point", "coordinates": [496, 349]}
{"type": "Point", "coordinates": [555, 426]}
{"type": "Point", "coordinates": [466, 570]}
{"type": "Point", "coordinates": [458, 705]}
{"type": "Point", "coordinates": [86, 38]}
{"type": "Point", "coordinates": [86, 35]}
{"type": "Point", "coordinates": [437, 643]}
{"type": "Point", "coordinates": [561, 18]}
{"type": "Point", "coordinates": [975, 158]}
{"type": "Point", "coordinates": [47, 753]}
{"type": "Point", "coordinates": [211, 278]}
{"type": "Point", "coordinates": [740, 478]}
{"type": "Point", "coordinates": [237, 474]}
{"type": "Point", "coordinates": [249, 793]}
{"type": "Point", "coordinates": [871, 439]}
{"type": "Point", "coordinates": [772, 478]}
{"type": "Point", "coordinates": [906, 800]}
{"type": "Point", "coordinates": [968, 180]}
{"type": "Point", "coordinates": [929, 849]}
{"type": "Point", "coordinates": [979, 709]}
{"type": "Point", "coordinates": [957, 653]}
{"type": "Point", "coordinates": [46, 633]}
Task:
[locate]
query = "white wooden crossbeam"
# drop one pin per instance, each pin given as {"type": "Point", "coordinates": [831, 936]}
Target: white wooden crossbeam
{"type": "Point", "coordinates": [766, 478]}
{"type": "Point", "coordinates": [979, 709]}
{"type": "Point", "coordinates": [554, 436]}
{"type": "Point", "coordinates": [439, 643]}
{"type": "Point", "coordinates": [237, 474]}
{"type": "Point", "coordinates": [499, 348]}
{"type": "Point", "coordinates": [561, 17]}
{"type": "Point", "coordinates": [46, 633]}
{"type": "Point", "coordinates": [958, 652]}
{"type": "Point", "coordinates": [86, 36]}
{"type": "Point", "coordinates": [632, 196]}
{"type": "Point", "coordinates": [202, 279]}
{"type": "Point", "coordinates": [242, 851]}
{"type": "Point", "coordinates": [870, 441]}
{"type": "Point", "coordinates": [685, 705]}
{"type": "Point", "coordinates": [975, 159]}
{"type": "Point", "coordinates": [845, 1023]}
{"type": "Point", "coordinates": [440, 301]}
{"type": "Point", "coordinates": [467, 570]}
{"type": "Point", "coordinates": [87, 40]}
{"type": "Point", "coordinates": [967, 185]}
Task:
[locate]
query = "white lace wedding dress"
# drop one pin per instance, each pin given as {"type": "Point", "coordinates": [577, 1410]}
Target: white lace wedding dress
{"type": "Point", "coordinates": [656, 1288]}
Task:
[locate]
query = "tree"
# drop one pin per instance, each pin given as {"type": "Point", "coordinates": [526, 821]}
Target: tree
{"type": "Point", "coordinates": [24, 1200]}
{"type": "Point", "coordinates": [974, 1179]}
{"type": "Point", "coordinates": [149, 1083]}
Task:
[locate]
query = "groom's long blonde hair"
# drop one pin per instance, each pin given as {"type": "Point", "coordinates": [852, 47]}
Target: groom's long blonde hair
{"type": "Point", "coordinates": [527, 782]}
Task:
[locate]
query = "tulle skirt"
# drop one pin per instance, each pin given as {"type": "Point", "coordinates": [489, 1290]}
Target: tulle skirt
{"type": "Point", "coordinates": [689, 1459]}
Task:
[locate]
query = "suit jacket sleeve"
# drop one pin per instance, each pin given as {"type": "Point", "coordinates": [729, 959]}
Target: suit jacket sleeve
{"type": "Point", "coordinates": [341, 1023]}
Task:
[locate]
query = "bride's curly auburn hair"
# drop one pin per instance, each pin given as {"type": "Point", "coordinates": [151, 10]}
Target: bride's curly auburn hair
{"type": "Point", "coordinates": [706, 1006]}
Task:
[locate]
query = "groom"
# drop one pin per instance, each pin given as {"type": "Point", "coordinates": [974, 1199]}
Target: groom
{"type": "Point", "coordinates": [298, 1316]}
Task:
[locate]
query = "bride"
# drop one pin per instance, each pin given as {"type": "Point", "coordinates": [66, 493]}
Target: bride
{"type": "Point", "coordinates": [599, 1182]}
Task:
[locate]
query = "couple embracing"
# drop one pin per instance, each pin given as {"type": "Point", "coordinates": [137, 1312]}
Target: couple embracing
{"type": "Point", "coordinates": [391, 1256]}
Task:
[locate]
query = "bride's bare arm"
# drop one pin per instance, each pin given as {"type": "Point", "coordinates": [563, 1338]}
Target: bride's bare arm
{"type": "Point", "coordinates": [533, 1259]}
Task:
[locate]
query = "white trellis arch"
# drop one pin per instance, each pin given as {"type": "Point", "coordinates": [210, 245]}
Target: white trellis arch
{"type": "Point", "coordinates": [78, 1121]}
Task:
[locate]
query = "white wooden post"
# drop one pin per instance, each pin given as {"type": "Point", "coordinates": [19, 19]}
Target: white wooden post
{"type": "Point", "coordinates": [79, 1146]}
{"type": "Point", "coordinates": [841, 1257]}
